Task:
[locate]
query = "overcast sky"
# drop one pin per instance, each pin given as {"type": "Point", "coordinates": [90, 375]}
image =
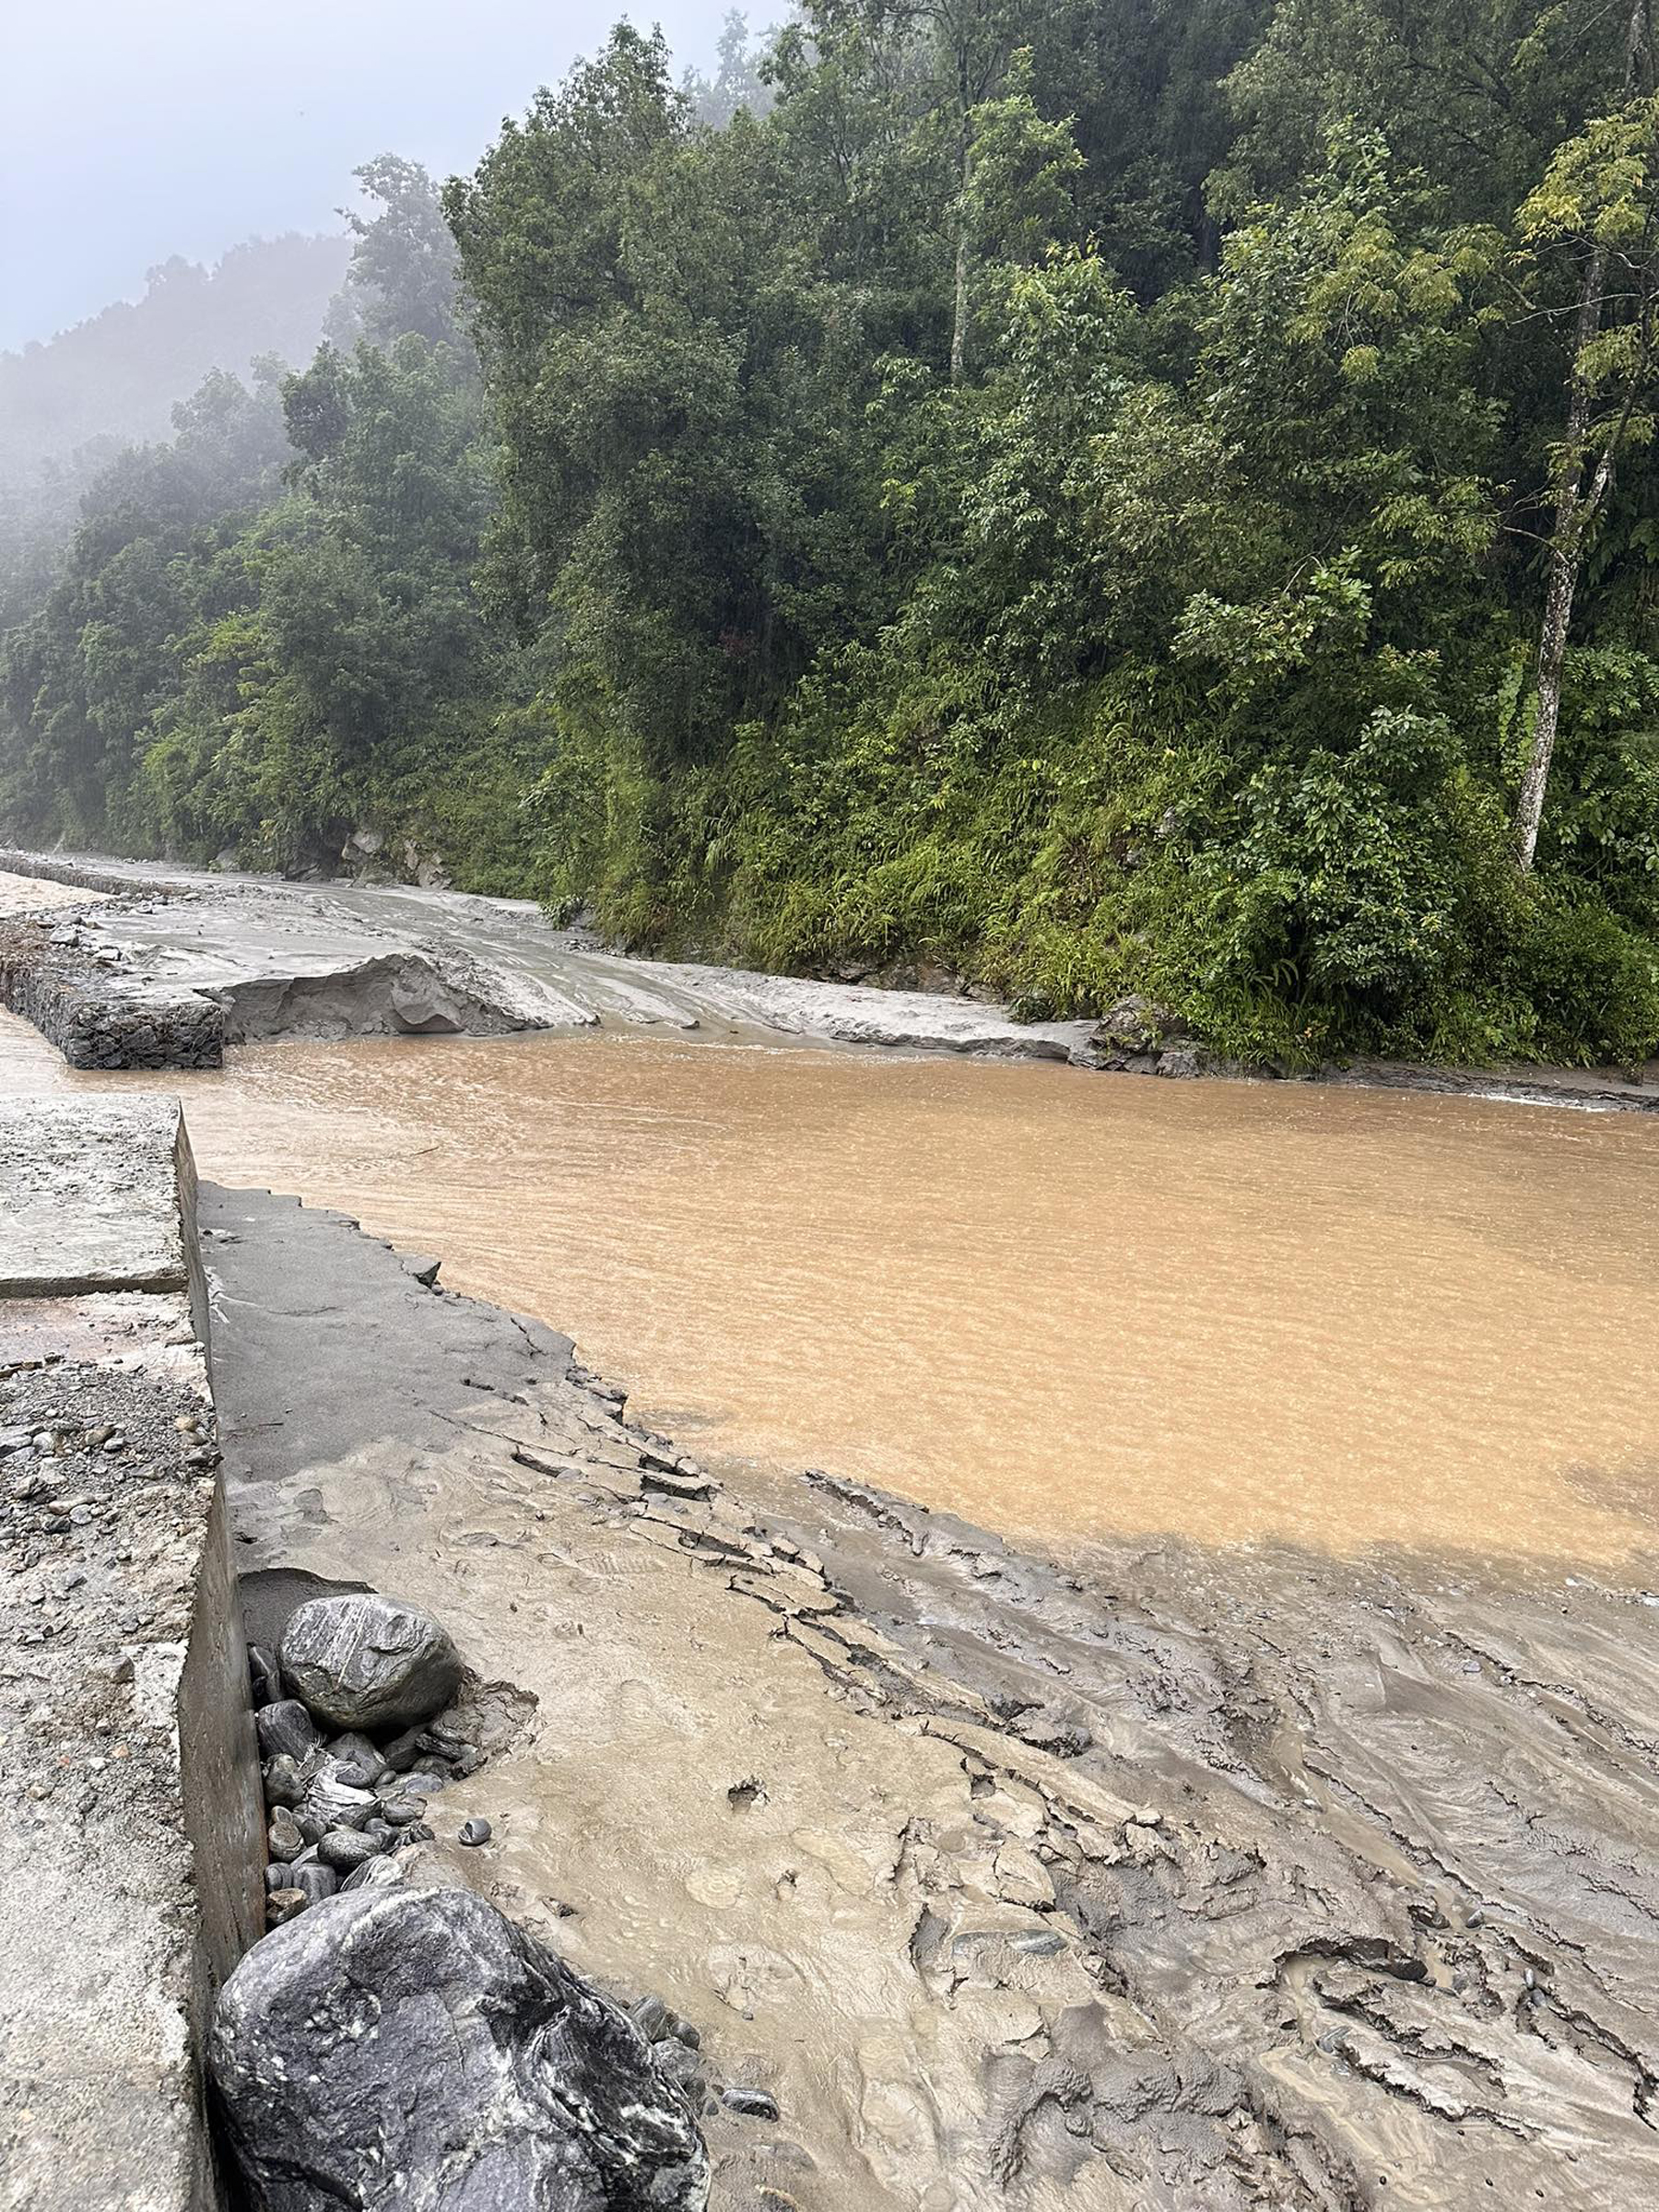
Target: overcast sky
{"type": "Point", "coordinates": [134, 129]}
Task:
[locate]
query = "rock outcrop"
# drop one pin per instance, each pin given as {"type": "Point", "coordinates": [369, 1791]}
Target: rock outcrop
{"type": "Point", "coordinates": [406, 2048]}
{"type": "Point", "coordinates": [1136, 1036]}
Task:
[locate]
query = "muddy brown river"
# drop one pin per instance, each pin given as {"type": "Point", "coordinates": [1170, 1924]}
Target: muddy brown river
{"type": "Point", "coordinates": [1060, 1305]}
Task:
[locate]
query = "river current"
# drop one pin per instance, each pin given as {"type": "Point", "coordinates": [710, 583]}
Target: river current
{"type": "Point", "coordinates": [1061, 1305]}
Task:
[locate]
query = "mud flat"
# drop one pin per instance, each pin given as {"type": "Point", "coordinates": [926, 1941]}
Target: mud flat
{"type": "Point", "coordinates": [350, 958]}
{"type": "Point", "coordinates": [1151, 1877]}
{"type": "Point", "coordinates": [130, 1841]}
{"type": "Point", "coordinates": [342, 959]}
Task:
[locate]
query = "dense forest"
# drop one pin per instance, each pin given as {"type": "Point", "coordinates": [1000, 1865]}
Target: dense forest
{"type": "Point", "coordinates": [1094, 495]}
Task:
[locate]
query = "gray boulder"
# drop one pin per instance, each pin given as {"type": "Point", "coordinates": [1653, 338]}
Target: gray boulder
{"type": "Point", "coordinates": [404, 2050]}
{"type": "Point", "coordinates": [1137, 1025]}
{"type": "Point", "coordinates": [363, 1661]}
{"type": "Point", "coordinates": [286, 1730]}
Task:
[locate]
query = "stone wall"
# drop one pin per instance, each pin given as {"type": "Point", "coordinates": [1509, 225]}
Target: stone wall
{"type": "Point", "coordinates": [97, 1017]}
{"type": "Point", "coordinates": [84, 876]}
{"type": "Point", "coordinates": [131, 1843]}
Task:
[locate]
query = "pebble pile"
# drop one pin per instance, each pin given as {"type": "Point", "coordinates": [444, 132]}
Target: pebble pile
{"type": "Point", "coordinates": [352, 1746]}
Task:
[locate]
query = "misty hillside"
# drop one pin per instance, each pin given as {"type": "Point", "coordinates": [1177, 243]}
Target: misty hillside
{"type": "Point", "coordinates": [118, 374]}
{"type": "Point", "coordinates": [1092, 499]}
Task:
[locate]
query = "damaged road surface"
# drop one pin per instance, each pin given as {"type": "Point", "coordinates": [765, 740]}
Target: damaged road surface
{"type": "Point", "coordinates": [1168, 1878]}
{"type": "Point", "coordinates": [283, 959]}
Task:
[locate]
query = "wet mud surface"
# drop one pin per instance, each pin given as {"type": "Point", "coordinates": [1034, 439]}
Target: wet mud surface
{"type": "Point", "coordinates": [304, 960]}
{"type": "Point", "coordinates": [1159, 1876]}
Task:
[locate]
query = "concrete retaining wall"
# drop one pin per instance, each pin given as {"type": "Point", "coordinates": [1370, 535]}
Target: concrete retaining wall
{"type": "Point", "coordinates": [83, 875]}
{"type": "Point", "coordinates": [131, 1836]}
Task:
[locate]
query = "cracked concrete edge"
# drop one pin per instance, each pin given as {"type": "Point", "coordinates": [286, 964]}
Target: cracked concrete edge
{"type": "Point", "coordinates": [127, 1891]}
{"type": "Point", "coordinates": [98, 1198]}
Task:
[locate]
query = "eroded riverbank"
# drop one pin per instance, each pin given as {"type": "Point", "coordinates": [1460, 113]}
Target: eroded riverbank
{"type": "Point", "coordinates": [1177, 1874]}
{"type": "Point", "coordinates": [1272, 1823]}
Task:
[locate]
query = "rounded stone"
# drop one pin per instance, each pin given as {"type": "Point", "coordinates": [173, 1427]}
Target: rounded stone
{"type": "Point", "coordinates": [316, 1882]}
{"type": "Point", "coordinates": [286, 1728]}
{"type": "Point", "coordinates": [284, 1780]}
{"type": "Point", "coordinates": [754, 2104]}
{"type": "Point", "coordinates": [284, 1840]}
{"type": "Point", "coordinates": [346, 1849]}
{"type": "Point", "coordinates": [363, 1661]}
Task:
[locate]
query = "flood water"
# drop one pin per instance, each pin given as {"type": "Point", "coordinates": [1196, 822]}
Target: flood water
{"type": "Point", "coordinates": [1062, 1305]}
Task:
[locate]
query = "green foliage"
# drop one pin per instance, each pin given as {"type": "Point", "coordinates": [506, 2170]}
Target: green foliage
{"type": "Point", "coordinates": [1044, 493]}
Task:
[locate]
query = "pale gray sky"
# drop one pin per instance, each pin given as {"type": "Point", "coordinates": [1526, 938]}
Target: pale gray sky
{"type": "Point", "coordinates": [131, 131]}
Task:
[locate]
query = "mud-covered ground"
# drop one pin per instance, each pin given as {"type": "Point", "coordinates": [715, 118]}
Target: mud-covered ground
{"type": "Point", "coordinates": [1161, 1877]}
{"type": "Point", "coordinates": [321, 959]}
{"type": "Point", "coordinates": [308, 960]}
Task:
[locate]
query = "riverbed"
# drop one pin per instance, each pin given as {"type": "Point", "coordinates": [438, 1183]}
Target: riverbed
{"type": "Point", "coordinates": [1064, 1306]}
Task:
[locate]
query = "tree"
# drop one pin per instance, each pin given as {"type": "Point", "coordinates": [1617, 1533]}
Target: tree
{"type": "Point", "coordinates": [1599, 206]}
{"type": "Point", "coordinates": [403, 264]}
{"type": "Point", "coordinates": [738, 82]}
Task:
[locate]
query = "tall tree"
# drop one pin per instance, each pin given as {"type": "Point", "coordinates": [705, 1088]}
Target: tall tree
{"type": "Point", "coordinates": [403, 269]}
{"type": "Point", "coordinates": [1599, 203]}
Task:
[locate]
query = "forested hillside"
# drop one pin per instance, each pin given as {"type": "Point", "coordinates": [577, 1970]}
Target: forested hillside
{"type": "Point", "coordinates": [71, 405]}
{"type": "Point", "coordinates": [119, 374]}
{"type": "Point", "coordinates": [1102, 495]}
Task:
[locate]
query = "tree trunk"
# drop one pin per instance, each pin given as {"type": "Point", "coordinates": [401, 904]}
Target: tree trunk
{"type": "Point", "coordinates": [1552, 654]}
{"type": "Point", "coordinates": [959, 325]}
{"type": "Point", "coordinates": [1573, 513]}
{"type": "Point", "coordinates": [1566, 551]}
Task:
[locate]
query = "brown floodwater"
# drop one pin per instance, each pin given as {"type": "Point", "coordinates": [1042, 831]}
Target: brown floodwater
{"type": "Point", "coordinates": [1058, 1304]}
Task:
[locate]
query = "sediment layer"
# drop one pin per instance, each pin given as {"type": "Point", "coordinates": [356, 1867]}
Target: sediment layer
{"type": "Point", "coordinates": [301, 959]}
{"type": "Point", "coordinates": [1155, 1877]}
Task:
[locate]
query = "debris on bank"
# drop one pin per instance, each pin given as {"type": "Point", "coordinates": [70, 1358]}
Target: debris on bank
{"type": "Point", "coordinates": [410, 2047]}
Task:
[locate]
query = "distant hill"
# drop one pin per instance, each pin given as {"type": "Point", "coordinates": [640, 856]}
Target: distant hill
{"type": "Point", "coordinates": [118, 375]}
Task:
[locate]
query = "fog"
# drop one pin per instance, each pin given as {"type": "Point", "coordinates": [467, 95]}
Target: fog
{"type": "Point", "coordinates": [128, 135]}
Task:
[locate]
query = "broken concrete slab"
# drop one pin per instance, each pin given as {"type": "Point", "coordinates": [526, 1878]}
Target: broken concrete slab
{"type": "Point", "coordinates": [130, 1835]}
{"type": "Point", "coordinates": [95, 1197]}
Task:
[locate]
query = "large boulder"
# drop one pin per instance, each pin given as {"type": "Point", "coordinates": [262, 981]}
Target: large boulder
{"type": "Point", "coordinates": [1137, 1025]}
{"type": "Point", "coordinates": [364, 1661]}
{"type": "Point", "coordinates": [404, 2049]}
